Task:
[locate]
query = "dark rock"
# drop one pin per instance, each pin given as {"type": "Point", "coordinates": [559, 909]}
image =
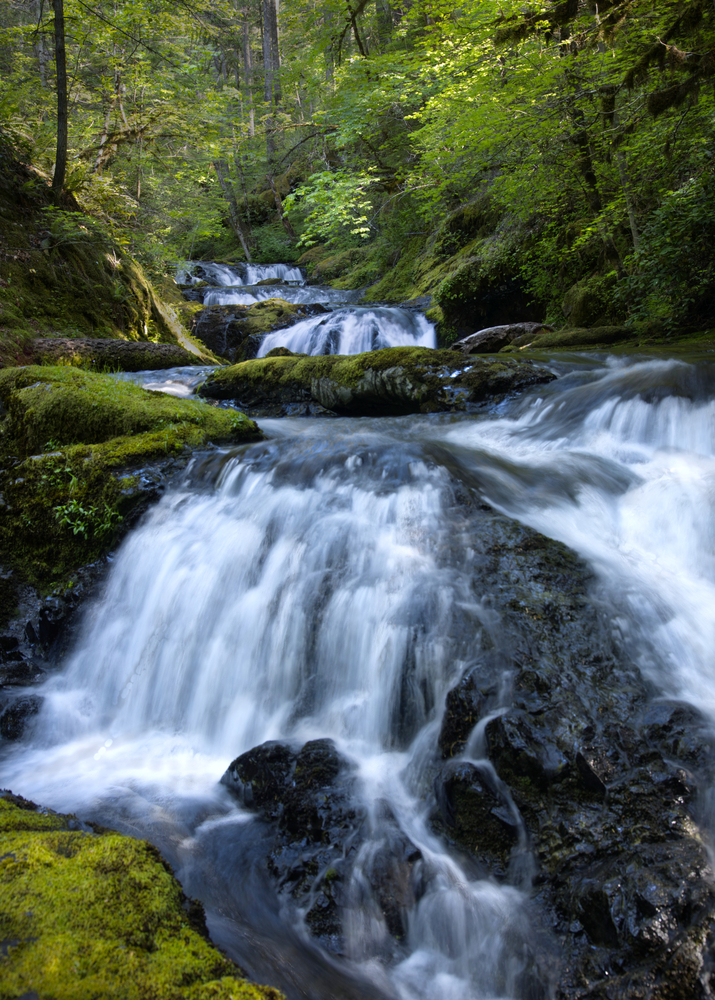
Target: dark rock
{"type": "Point", "coordinates": [495, 337]}
{"type": "Point", "coordinates": [476, 814]}
{"type": "Point", "coordinates": [467, 703]}
{"type": "Point", "coordinates": [16, 716]}
{"type": "Point", "coordinates": [314, 833]}
{"type": "Point", "coordinates": [521, 749]}
{"type": "Point", "coordinates": [593, 770]}
{"type": "Point", "coordinates": [390, 381]}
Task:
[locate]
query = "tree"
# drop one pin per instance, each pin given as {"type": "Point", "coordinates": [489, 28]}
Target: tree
{"type": "Point", "coordinates": [58, 179]}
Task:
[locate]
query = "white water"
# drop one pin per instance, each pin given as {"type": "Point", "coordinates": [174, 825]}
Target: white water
{"type": "Point", "coordinates": [286, 602]}
{"type": "Point", "coordinates": [237, 274]}
{"type": "Point", "coordinates": [352, 331]}
{"type": "Point", "coordinates": [308, 294]}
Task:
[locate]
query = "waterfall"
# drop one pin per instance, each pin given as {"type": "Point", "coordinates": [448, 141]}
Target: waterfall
{"type": "Point", "coordinates": [321, 584]}
{"type": "Point", "coordinates": [230, 275]}
{"type": "Point", "coordinates": [352, 331]}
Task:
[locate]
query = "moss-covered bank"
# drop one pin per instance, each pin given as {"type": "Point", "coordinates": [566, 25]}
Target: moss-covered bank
{"type": "Point", "coordinates": [61, 273]}
{"type": "Point", "coordinates": [71, 442]}
{"type": "Point", "coordinates": [391, 381]}
{"type": "Point", "coordinates": [100, 916]}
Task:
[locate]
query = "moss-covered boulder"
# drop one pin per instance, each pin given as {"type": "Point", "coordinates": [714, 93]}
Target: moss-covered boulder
{"type": "Point", "coordinates": [236, 332]}
{"type": "Point", "coordinates": [113, 355]}
{"type": "Point", "coordinates": [72, 442]}
{"type": "Point", "coordinates": [94, 915]}
{"type": "Point", "coordinates": [392, 381]}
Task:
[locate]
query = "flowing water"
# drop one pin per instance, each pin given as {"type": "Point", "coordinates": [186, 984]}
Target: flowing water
{"type": "Point", "coordinates": [347, 328]}
{"type": "Point", "coordinates": [286, 590]}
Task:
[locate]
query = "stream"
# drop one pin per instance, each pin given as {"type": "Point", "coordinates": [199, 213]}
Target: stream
{"type": "Point", "coordinates": [321, 584]}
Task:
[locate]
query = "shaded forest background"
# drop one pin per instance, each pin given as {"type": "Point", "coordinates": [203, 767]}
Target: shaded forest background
{"type": "Point", "coordinates": [508, 160]}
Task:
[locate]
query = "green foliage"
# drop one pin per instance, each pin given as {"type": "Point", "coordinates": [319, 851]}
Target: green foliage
{"type": "Point", "coordinates": [87, 521]}
{"type": "Point", "coordinates": [335, 207]}
{"type": "Point", "coordinates": [674, 269]}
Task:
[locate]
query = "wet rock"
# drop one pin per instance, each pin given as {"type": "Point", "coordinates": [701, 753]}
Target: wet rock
{"type": "Point", "coordinates": [236, 332]}
{"type": "Point", "coordinates": [601, 779]}
{"type": "Point", "coordinates": [16, 715]}
{"type": "Point", "coordinates": [495, 337]}
{"type": "Point", "coordinates": [475, 813]}
{"type": "Point", "coordinates": [113, 355]}
{"type": "Point", "coordinates": [304, 797]}
{"type": "Point", "coordinates": [467, 703]}
{"type": "Point", "coordinates": [521, 749]}
{"type": "Point", "coordinates": [314, 836]}
{"type": "Point", "coordinates": [391, 381]}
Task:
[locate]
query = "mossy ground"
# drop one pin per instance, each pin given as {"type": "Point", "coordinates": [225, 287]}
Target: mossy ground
{"type": "Point", "coordinates": [70, 441]}
{"type": "Point", "coordinates": [61, 274]}
{"type": "Point", "coordinates": [99, 916]}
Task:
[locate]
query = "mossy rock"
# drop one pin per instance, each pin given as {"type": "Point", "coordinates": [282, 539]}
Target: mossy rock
{"type": "Point", "coordinates": [71, 440]}
{"type": "Point", "coordinates": [391, 381]}
{"type": "Point", "coordinates": [597, 336]}
{"type": "Point", "coordinates": [101, 916]}
{"type": "Point", "coordinates": [111, 355]}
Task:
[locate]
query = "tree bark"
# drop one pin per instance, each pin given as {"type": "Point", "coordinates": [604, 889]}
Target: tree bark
{"type": "Point", "coordinates": [58, 180]}
{"type": "Point", "coordinates": [237, 222]}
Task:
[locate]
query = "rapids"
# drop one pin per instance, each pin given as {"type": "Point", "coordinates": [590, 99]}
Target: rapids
{"type": "Point", "coordinates": [282, 590]}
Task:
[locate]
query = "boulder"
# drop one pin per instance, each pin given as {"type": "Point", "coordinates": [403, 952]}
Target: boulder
{"type": "Point", "coordinates": [395, 380]}
{"type": "Point", "coordinates": [492, 339]}
{"type": "Point", "coordinates": [304, 797]}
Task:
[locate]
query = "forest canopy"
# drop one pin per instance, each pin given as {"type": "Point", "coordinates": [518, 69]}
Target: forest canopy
{"type": "Point", "coordinates": [564, 147]}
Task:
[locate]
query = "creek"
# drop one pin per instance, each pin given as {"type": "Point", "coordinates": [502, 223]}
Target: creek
{"type": "Point", "coordinates": [321, 584]}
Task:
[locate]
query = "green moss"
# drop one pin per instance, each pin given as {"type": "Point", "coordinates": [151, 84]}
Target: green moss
{"type": "Point", "coordinates": [83, 915]}
{"type": "Point", "coordinates": [69, 406]}
{"type": "Point", "coordinates": [64, 275]}
{"type": "Point", "coordinates": [598, 336]}
{"type": "Point", "coordinates": [346, 369]}
{"type": "Point", "coordinates": [68, 436]}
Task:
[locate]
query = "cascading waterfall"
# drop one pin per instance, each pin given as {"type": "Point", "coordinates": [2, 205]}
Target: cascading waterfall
{"type": "Point", "coordinates": [347, 329]}
{"type": "Point", "coordinates": [286, 591]}
{"type": "Point", "coordinates": [230, 275]}
{"type": "Point", "coordinates": [352, 331]}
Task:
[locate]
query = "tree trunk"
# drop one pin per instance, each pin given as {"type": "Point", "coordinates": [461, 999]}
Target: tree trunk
{"type": "Point", "coordinates": [267, 12]}
{"type": "Point", "coordinates": [41, 48]}
{"type": "Point", "coordinates": [279, 206]}
{"type": "Point", "coordinates": [248, 74]}
{"type": "Point", "coordinates": [237, 222]}
{"type": "Point", "coordinates": [58, 180]}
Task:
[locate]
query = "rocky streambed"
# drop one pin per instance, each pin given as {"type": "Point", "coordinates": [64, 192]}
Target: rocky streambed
{"type": "Point", "coordinates": [416, 704]}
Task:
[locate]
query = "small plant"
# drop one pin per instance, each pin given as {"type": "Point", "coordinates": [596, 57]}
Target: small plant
{"type": "Point", "coordinates": [86, 521]}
